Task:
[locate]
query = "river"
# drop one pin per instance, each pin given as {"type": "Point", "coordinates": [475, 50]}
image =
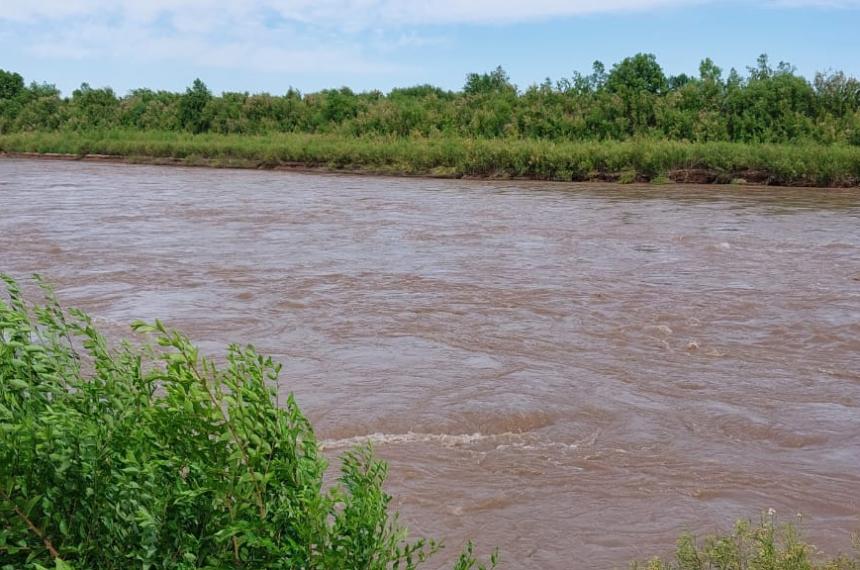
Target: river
{"type": "Point", "coordinates": [573, 372]}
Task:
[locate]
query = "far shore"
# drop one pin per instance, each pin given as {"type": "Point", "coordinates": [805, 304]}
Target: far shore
{"type": "Point", "coordinates": [675, 177]}
{"type": "Point", "coordinates": [645, 161]}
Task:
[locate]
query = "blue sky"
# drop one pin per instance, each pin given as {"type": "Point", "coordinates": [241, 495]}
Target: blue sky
{"type": "Point", "coordinates": [270, 45]}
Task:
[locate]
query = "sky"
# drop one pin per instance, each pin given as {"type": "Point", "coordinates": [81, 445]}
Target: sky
{"type": "Point", "coordinates": [272, 45]}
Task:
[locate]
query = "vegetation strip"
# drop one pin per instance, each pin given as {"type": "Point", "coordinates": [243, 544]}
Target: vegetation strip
{"type": "Point", "coordinates": [630, 122]}
{"type": "Point", "coordinates": [619, 161]}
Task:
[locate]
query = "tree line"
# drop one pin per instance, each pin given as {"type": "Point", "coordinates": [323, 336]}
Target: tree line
{"type": "Point", "coordinates": [634, 98]}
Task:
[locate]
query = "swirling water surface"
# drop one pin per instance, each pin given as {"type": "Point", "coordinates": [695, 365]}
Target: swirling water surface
{"type": "Point", "coordinates": [575, 373]}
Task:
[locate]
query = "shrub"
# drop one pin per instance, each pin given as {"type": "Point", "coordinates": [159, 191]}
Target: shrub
{"type": "Point", "coordinates": [767, 545]}
{"type": "Point", "coordinates": [153, 456]}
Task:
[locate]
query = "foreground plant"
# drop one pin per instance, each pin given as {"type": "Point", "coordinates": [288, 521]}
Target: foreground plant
{"type": "Point", "coordinates": [156, 457]}
{"type": "Point", "coordinates": [764, 546]}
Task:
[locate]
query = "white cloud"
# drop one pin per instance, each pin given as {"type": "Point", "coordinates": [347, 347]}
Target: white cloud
{"type": "Point", "coordinates": [353, 14]}
{"type": "Point", "coordinates": [282, 35]}
{"type": "Point", "coordinates": [212, 33]}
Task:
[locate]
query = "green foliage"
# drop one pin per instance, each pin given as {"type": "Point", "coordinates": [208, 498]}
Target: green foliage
{"type": "Point", "coordinates": [634, 99]}
{"type": "Point", "coordinates": [638, 82]}
{"type": "Point", "coordinates": [457, 156]}
{"type": "Point", "coordinates": [192, 107]}
{"type": "Point", "coordinates": [156, 457]}
{"type": "Point", "coordinates": [638, 74]}
{"type": "Point", "coordinates": [494, 82]}
{"type": "Point", "coordinates": [11, 84]}
{"type": "Point", "coordinates": [765, 546]}
{"type": "Point", "coordinates": [93, 108]}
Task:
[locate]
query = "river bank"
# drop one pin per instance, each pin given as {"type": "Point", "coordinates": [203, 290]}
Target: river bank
{"type": "Point", "coordinates": [653, 161]}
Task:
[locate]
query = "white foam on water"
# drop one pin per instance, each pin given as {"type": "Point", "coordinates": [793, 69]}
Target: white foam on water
{"type": "Point", "coordinates": [540, 446]}
{"type": "Point", "coordinates": [444, 439]}
{"type": "Point", "coordinates": [506, 440]}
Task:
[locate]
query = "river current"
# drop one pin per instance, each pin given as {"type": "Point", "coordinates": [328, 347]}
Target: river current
{"type": "Point", "coordinates": [573, 372]}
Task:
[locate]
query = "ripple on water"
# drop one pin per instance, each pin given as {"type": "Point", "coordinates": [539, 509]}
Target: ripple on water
{"type": "Point", "coordinates": [573, 372]}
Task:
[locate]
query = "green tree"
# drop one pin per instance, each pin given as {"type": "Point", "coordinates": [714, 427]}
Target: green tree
{"type": "Point", "coordinates": [192, 107]}
{"type": "Point", "coordinates": [11, 84]}
{"type": "Point", "coordinates": [638, 81]}
{"type": "Point", "coordinates": [638, 74]}
{"type": "Point", "coordinates": [93, 108]}
{"type": "Point", "coordinates": [496, 81]}
{"type": "Point", "coordinates": [11, 87]}
{"type": "Point", "coordinates": [837, 93]}
{"type": "Point", "coordinates": [41, 108]}
{"type": "Point", "coordinates": [709, 71]}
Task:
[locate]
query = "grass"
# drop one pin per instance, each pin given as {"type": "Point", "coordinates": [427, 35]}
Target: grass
{"type": "Point", "coordinates": [767, 545]}
{"type": "Point", "coordinates": [627, 161]}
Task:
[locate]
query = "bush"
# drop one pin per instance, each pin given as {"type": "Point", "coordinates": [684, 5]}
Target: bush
{"type": "Point", "coordinates": [153, 456]}
{"type": "Point", "coordinates": [763, 546]}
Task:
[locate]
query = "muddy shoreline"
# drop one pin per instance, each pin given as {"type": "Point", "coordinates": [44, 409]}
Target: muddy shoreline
{"type": "Point", "coordinates": [749, 178]}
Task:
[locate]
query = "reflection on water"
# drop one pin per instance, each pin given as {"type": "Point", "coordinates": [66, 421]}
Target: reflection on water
{"type": "Point", "coordinates": [573, 372]}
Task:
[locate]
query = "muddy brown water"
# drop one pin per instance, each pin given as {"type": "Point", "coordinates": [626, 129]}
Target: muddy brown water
{"type": "Point", "coordinates": [575, 373]}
